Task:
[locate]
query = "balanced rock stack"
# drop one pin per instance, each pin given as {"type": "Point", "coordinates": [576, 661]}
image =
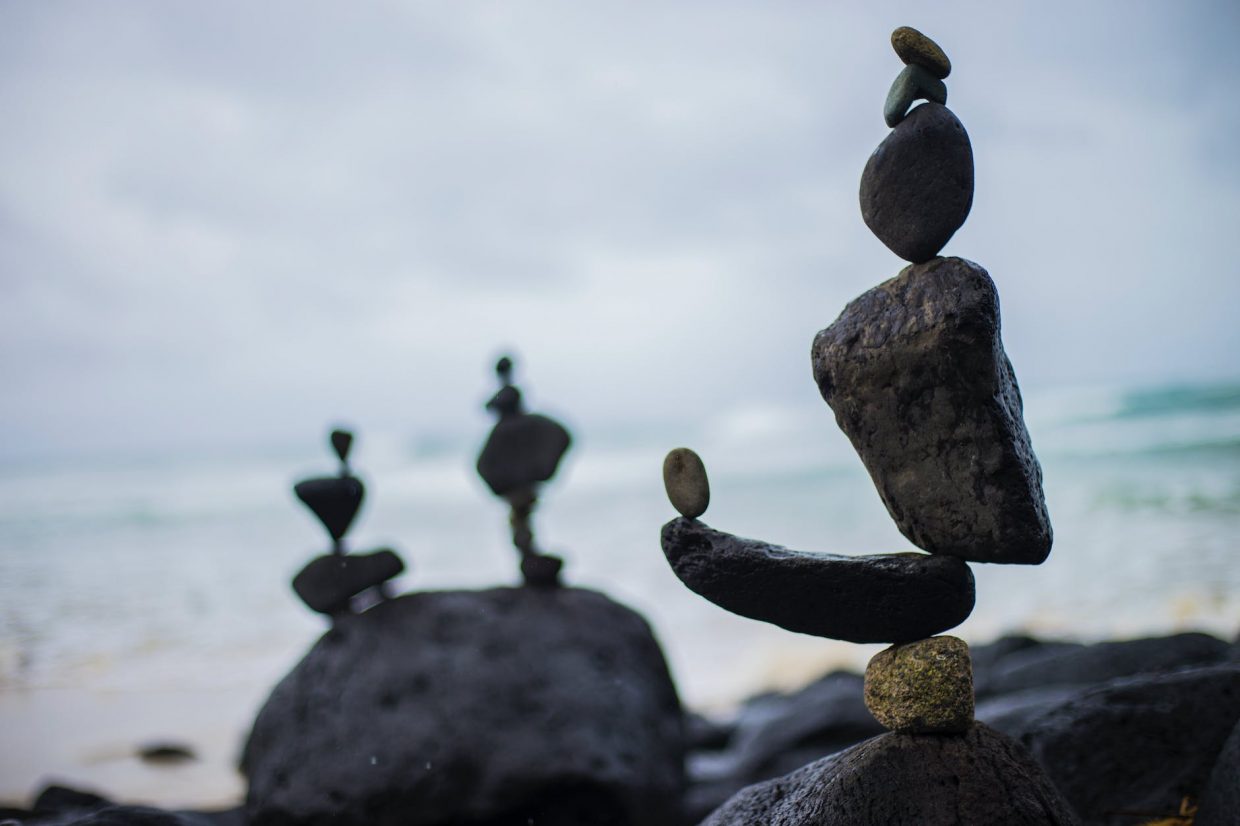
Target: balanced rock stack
{"type": "Point", "coordinates": [916, 375]}
{"type": "Point", "coordinates": [338, 582]}
{"type": "Point", "coordinates": [522, 451]}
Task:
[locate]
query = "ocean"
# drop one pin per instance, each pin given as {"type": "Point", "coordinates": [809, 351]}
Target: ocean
{"type": "Point", "coordinates": [150, 598]}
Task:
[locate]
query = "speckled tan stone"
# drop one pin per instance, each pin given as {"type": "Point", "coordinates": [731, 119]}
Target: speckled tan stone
{"type": "Point", "coordinates": [923, 687]}
{"type": "Point", "coordinates": [913, 47]}
{"type": "Point", "coordinates": [684, 478]}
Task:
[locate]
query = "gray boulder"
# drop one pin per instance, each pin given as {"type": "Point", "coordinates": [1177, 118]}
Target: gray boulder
{"type": "Point", "coordinates": [907, 780]}
{"type": "Point", "coordinates": [916, 374]}
{"type": "Point", "coordinates": [473, 706]}
{"type": "Point", "coordinates": [1067, 664]}
{"type": "Point", "coordinates": [1139, 744]}
{"type": "Point", "coordinates": [1220, 801]}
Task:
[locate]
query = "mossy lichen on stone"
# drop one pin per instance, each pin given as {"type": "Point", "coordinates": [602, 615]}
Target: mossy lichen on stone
{"type": "Point", "coordinates": [923, 687]}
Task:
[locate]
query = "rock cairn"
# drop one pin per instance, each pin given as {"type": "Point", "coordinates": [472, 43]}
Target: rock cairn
{"type": "Point", "coordinates": [916, 375]}
{"type": "Point", "coordinates": [522, 451]}
{"type": "Point", "coordinates": [340, 582]}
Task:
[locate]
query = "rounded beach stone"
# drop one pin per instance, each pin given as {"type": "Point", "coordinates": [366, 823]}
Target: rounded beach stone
{"type": "Point", "coordinates": [684, 479]}
{"type": "Point", "coordinates": [917, 187]}
{"type": "Point", "coordinates": [923, 687]}
{"type": "Point", "coordinates": [913, 83]}
{"type": "Point", "coordinates": [915, 49]}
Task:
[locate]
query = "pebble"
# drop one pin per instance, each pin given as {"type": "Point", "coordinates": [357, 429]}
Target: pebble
{"type": "Point", "coordinates": [913, 83]}
{"type": "Point", "coordinates": [915, 372]}
{"type": "Point", "coordinates": [915, 49]}
{"type": "Point", "coordinates": [917, 187]}
{"type": "Point", "coordinates": [923, 687]}
{"type": "Point", "coordinates": [880, 598]}
{"type": "Point", "coordinates": [684, 479]}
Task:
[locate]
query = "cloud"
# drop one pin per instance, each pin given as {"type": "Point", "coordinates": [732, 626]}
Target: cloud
{"type": "Point", "coordinates": [220, 221]}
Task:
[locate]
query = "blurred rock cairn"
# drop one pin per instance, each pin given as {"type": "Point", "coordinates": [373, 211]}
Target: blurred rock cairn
{"type": "Point", "coordinates": [339, 582]}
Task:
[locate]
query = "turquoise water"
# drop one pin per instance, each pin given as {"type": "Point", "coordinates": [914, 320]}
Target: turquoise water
{"type": "Point", "coordinates": [173, 574]}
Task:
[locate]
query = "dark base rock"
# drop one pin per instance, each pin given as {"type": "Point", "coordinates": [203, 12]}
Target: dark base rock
{"type": "Point", "coordinates": [1220, 801]}
{"type": "Point", "coordinates": [917, 187]}
{"type": "Point", "coordinates": [916, 374]}
{"type": "Point", "coordinates": [472, 707]}
{"type": "Point", "coordinates": [328, 583]}
{"type": "Point", "coordinates": [907, 779]}
{"type": "Point", "coordinates": [882, 598]}
{"type": "Point", "coordinates": [778, 733]}
{"type": "Point", "coordinates": [1140, 744]}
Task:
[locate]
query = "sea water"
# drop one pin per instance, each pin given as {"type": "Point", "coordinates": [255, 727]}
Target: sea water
{"type": "Point", "coordinates": [167, 580]}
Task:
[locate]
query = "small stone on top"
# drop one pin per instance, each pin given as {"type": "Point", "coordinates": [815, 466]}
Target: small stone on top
{"type": "Point", "coordinates": [684, 479]}
{"type": "Point", "coordinates": [915, 49]}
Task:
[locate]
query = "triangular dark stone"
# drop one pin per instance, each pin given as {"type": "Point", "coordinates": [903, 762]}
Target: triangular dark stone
{"type": "Point", "coordinates": [335, 500]}
{"type": "Point", "coordinates": [342, 440]}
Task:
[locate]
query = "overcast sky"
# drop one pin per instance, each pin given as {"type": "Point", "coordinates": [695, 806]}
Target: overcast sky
{"type": "Point", "coordinates": [225, 222]}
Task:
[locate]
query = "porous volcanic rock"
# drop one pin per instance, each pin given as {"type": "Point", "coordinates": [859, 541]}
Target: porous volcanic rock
{"type": "Point", "coordinates": [916, 374]}
{"type": "Point", "coordinates": [1220, 801]}
{"type": "Point", "coordinates": [907, 780]}
{"type": "Point", "coordinates": [1138, 744]}
{"type": "Point", "coordinates": [1059, 664]}
{"type": "Point", "coordinates": [880, 598]}
{"type": "Point", "coordinates": [473, 706]}
{"type": "Point", "coordinates": [917, 186]}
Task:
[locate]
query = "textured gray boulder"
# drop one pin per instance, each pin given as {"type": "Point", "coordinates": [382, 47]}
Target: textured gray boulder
{"type": "Point", "coordinates": [907, 780]}
{"type": "Point", "coordinates": [473, 706]}
{"type": "Point", "coordinates": [916, 374]}
{"type": "Point", "coordinates": [880, 598]}
{"type": "Point", "coordinates": [1220, 801]}
{"type": "Point", "coordinates": [1139, 744]}
{"type": "Point", "coordinates": [917, 186]}
{"type": "Point", "coordinates": [1059, 664]}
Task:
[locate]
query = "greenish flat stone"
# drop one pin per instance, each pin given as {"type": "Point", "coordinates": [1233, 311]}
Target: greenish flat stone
{"type": "Point", "coordinates": [914, 48]}
{"type": "Point", "coordinates": [913, 83]}
{"type": "Point", "coordinates": [923, 687]}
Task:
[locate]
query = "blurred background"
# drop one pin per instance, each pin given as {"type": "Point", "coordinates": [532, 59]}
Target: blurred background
{"type": "Point", "coordinates": [226, 227]}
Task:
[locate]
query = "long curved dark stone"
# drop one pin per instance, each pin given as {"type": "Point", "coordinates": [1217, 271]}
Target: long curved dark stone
{"type": "Point", "coordinates": [884, 598]}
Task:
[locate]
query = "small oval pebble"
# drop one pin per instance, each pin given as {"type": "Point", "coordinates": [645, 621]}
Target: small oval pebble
{"type": "Point", "coordinates": [684, 479]}
{"type": "Point", "coordinates": [914, 48]}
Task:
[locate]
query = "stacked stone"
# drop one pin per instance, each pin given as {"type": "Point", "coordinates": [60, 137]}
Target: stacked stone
{"type": "Point", "coordinates": [916, 375]}
{"type": "Point", "coordinates": [522, 452]}
{"type": "Point", "coordinates": [339, 582]}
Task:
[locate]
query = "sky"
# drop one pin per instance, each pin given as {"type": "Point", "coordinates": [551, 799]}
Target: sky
{"type": "Point", "coordinates": [230, 223]}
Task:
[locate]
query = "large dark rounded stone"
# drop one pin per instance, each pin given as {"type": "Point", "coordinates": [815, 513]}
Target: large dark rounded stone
{"type": "Point", "coordinates": [1140, 744]}
{"type": "Point", "coordinates": [917, 187]}
{"type": "Point", "coordinates": [907, 780]}
{"type": "Point", "coordinates": [881, 598]}
{"type": "Point", "coordinates": [522, 450]}
{"type": "Point", "coordinates": [473, 707]}
{"type": "Point", "coordinates": [916, 374]}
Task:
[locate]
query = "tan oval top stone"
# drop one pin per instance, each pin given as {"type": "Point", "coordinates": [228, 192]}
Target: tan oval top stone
{"type": "Point", "coordinates": [684, 479]}
{"type": "Point", "coordinates": [915, 48]}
